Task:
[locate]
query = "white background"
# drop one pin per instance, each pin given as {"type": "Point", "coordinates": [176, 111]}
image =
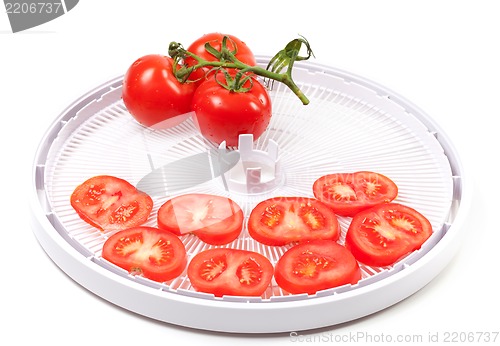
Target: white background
{"type": "Point", "coordinates": [442, 55]}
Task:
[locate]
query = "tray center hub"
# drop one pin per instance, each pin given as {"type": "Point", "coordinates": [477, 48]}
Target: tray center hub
{"type": "Point", "coordinates": [256, 171]}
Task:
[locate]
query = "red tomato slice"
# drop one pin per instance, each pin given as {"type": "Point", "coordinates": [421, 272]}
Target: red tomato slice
{"type": "Point", "coordinates": [284, 220]}
{"type": "Point", "coordinates": [316, 265]}
{"type": "Point", "coordinates": [234, 272]}
{"type": "Point", "coordinates": [157, 255]}
{"type": "Point", "coordinates": [385, 233]}
{"type": "Point", "coordinates": [111, 203]}
{"type": "Point", "coordinates": [214, 219]}
{"type": "Point", "coordinates": [349, 193]}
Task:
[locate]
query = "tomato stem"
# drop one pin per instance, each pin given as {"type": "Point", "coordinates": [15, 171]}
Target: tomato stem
{"type": "Point", "coordinates": [227, 60]}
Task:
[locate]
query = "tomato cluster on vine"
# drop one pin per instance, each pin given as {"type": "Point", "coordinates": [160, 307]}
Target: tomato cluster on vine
{"type": "Point", "coordinates": [157, 97]}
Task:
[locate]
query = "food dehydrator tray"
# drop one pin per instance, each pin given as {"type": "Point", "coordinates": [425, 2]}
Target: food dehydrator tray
{"type": "Point", "coordinates": [351, 124]}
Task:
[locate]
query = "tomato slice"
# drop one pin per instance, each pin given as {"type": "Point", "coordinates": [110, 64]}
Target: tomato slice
{"type": "Point", "coordinates": [284, 220]}
{"type": "Point", "coordinates": [111, 203]}
{"type": "Point", "coordinates": [157, 255]}
{"type": "Point", "coordinates": [216, 220]}
{"type": "Point", "coordinates": [316, 265]}
{"type": "Point", "coordinates": [385, 233]}
{"type": "Point", "coordinates": [349, 193]}
{"type": "Point", "coordinates": [228, 271]}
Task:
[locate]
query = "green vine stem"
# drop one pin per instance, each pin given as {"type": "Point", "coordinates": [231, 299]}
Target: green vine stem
{"type": "Point", "coordinates": [285, 58]}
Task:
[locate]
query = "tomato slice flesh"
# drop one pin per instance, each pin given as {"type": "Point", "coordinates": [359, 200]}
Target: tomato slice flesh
{"type": "Point", "coordinates": [216, 220]}
{"type": "Point", "coordinates": [284, 220]}
{"type": "Point", "coordinates": [309, 264]}
{"type": "Point", "coordinates": [350, 193]}
{"type": "Point", "coordinates": [385, 233]}
{"type": "Point", "coordinates": [316, 265]}
{"type": "Point", "coordinates": [156, 254]}
{"type": "Point", "coordinates": [213, 267]}
{"type": "Point", "coordinates": [111, 203]}
{"type": "Point", "coordinates": [225, 271]}
{"type": "Point", "coordinates": [249, 272]}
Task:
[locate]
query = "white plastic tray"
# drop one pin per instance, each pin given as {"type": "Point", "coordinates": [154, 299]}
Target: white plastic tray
{"type": "Point", "coordinates": [351, 124]}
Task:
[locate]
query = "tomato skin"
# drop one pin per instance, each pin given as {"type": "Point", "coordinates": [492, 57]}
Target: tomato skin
{"type": "Point", "coordinates": [385, 233]}
{"type": "Point", "coordinates": [152, 94]}
{"type": "Point", "coordinates": [216, 220]}
{"type": "Point", "coordinates": [110, 203]}
{"type": "Point", "coordinates": [157, 255]}
{"type": "Point", "coordinates": [349, 193]}
{"type": "Point", "coordinates": [283, 220]}
{"type": "Point", "coordinates": [316, 265]}
{"type": "Point", "coordinates": [225, 271]}
{"type": "Point", "coordinates": [244, 53]}
{"type": "Point", "coordinates": [222, 115]}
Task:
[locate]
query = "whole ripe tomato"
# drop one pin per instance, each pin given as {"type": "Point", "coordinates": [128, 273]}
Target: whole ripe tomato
{"type": "Point", "coordinates": [222, 114]}
{"type": "Point", "coordinates": [153, 95]}
{"type": "Point", "coordinates": [243, 52]}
